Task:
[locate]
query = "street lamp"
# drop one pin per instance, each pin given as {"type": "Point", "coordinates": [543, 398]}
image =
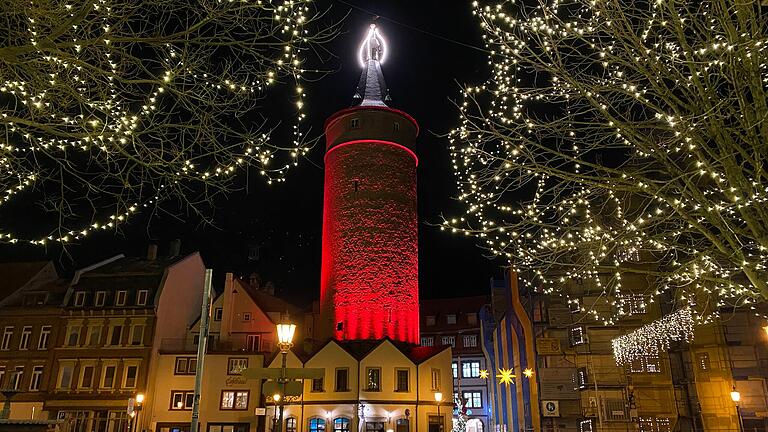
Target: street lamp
{"type": "Point", "coordinates": [438, 399]}
{"type": "Point", "coordinates": [285, 331]}
{"type": "Point", "coordinates": [137, 409]}
{"type": "Point", "coordinates": [736, 397]}
{"type": "Point", "coordinates": [275, 399]}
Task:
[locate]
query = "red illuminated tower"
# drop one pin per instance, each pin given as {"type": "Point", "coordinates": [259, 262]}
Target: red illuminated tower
{"type": "Point", "coordinates": [369, 280]}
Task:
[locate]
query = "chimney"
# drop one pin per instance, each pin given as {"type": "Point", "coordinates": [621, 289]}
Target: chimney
{"type": "Point", "coordinates": [152, 252]}
{"type": "Point", "coordinates": [174, 248]}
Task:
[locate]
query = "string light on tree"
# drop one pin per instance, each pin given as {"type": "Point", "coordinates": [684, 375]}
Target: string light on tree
{"type": "Point", "coordinates": [613, 152]}
{"type": "Point", "coordinates": [108, 112]}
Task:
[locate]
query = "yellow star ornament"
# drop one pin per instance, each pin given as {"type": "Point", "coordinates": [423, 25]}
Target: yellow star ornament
{"type": "Point", "coordinates": [506, 376]}
{"type": "Point", "coordinates": [528, 373]}
{"type": "Point", "coordinates": [484, 374]}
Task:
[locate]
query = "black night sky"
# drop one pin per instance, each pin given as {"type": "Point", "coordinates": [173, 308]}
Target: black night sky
{"type": "Point", "coordinates": [423, 72]}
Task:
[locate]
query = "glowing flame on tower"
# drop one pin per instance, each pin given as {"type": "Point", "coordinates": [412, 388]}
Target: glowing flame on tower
{"type": "Point", "coordinates": [373, 47]}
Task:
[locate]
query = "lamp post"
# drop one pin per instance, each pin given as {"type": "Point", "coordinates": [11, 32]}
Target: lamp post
{"type": "Point", "coordinates": [137, 410]}
{"type": "Point", "coordinates": [275, 399]}
{"type": "Point", "coordinates": [285, 331]}
{"type": "Point", "coordinates": [438, 399]}
{"type": "Point", "coordinates": [736, 397]}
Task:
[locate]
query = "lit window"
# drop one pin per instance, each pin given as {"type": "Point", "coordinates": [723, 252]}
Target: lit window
{"type": "Point", "coordinates": [290, 424]}
{"type": "Point", "coordinates": [450, 319]}
{"type": "Point", "coordinates": [577, 336]}
{"type": "Point", "coordinates": [341, 425]}
{"type": "Point", "coordinates": [472, 399]}
{"type": "Point", "coordinates": [374, 379]}
{"type": "Point", "coordinates": [455, 369]}
{"type": "Point", "coordinates": [427, 341]}
{"type": "Point", "coordinates": [237, 365]}
{"type": "Point", "coordinates": [449, 340]}
{"type": "Point", "coordinates": [316, 425]}
{"type": "Point", "coordinates": [587, 425]}
{"type": "Point", "coordinates": [470, 369]}
{"type": "Point", "coordinates": [581, 378]}
{"type": "Point", "coordinates": [470, 341]}
{"type": "Point", "coordinates": [646, 364]}
{"type": "Point", "coordinates": [234, 400]}
{"type": "Point", "coordinates": [632, 304]}
{"type": "Point", "coordinates": [655, 424]}
{"type": "Point", "coordinates": [182, 400]}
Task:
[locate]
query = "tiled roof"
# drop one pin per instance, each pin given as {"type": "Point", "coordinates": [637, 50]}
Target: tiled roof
{"type": "Point", "coordinates": [15, 275]}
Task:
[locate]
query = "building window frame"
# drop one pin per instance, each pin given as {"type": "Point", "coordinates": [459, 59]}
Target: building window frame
{"type": "Point", "coordinates": [449, 340]}
{"type": "Point", "coordinates": [36, 378]}
{"type": "Point", "coordinates": [577, 335]}
{"type": "Point", "coordinates": [121, 298]}
{"type": "Point", "coordinates": [108, 376]}
{"type": "Point", "coordinates": [290, 424]}
{"type": "Point", "coordinates": [472, 398]}
{"type": "Point", "coordinates": [100, 299]}
{"type": "Point", "coordinates": [45, 335]}
{"type": "Point", "coordinates": [435, 382]}
{"type": "Point", "coordinates": [115, 330]}
{"type": "Point", "coordinates": [16, 377]}
{"type": "Point", "coordinates": [316, 424]}
{"type": "Point", "coordinates": [318, 385]}
{"type": "Point", "coordinates": [372, 379]}
{"type": "Point", "coordinates": [5, 345]}
{"type": "Point", "coordinates": [79, 299]}
{"type": "Point", "coordinates": [94, 331]}
{"type": "Point", "coordinates": [73, 335]}
{"type": "Point", "coordinates": [186, 397]}
{"type": "Point", "coordinates": [236, 365]}
{"type": "Point", "coordinates": [187, 363]}
{"type": "Point", "coordinates": [236, 393]}
{"type": "Point", "coordinates": [399, 374]}
{"type": "Point", "coordinates": [81, 381]}
{"type": "Point", "coordinates": [26, 335]}
{"type": "Point", "coordinates": [427, 341]}
{"type": "Point", "coordinates": [469, 341]}
{"type": "Point", "coordinates": [60, 379]}
{"type": "Point", "coordinates": [341, 424]}
{"type": "Point", "coordinates": [337, 382]}
{"type": "Point", "coordinates": [126, 377]}
{"type": "Point", "coordinates": [217, 314]}
{"type": "Point", "coordinates": [142, 296]}
{"type": "Point", "coordinates": [470, 369]}
{"type": "Point", "coordinates": [450, 319]}
{"type": "Point", "coordinates": [137, 330]}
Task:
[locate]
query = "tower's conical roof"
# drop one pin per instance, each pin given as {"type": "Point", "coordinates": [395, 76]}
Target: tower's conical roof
{"type": "Point", "coordinates": [371, 89]}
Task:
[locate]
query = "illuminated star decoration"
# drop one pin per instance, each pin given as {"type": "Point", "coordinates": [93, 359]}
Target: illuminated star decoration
{"type": "Point", "coordinates": [484, 374]}
{"type": "Point", "coordinates": [506, 376]}
{"type": "Point", "coordinates": [528, 372]}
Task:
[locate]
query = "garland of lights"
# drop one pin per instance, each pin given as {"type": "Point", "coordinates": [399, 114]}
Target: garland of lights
{"type": "Point", "coordinates": [106, 111]}
{"type": "Point", "coordinates": [651, 338]}
{"type": "Point", "coordinates": [597, 159]}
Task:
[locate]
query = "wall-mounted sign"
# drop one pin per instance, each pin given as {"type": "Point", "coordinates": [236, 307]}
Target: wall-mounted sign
{"type": "Point", "coordinates": [548, 346]}
{"type": "Point", "coordinates": [260, 411]}
{"type": "Point", "coordinates": [235, 380]}
{"type": "Point", "coordinates": [550, 408]}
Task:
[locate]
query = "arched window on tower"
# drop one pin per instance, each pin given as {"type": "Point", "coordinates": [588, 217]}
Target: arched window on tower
{"type": "Point", "coordinates": [396, 127]}
{"type": "Point", "coordinates": [354, 123]}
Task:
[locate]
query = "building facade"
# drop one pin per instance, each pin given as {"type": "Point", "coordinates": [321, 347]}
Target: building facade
{"type": "Point", "coordinates": [371, 386]}
{"type": "Point", "coordinates": [115, 313]}
{"type": "Point", "coordinates": [30, 322]}
{"type": "Point", "coordinates": [242, 331]}
{"type": "Point", "coordinates": [575, 383]}
{"type": "Point", "coordinates": [454, 322]}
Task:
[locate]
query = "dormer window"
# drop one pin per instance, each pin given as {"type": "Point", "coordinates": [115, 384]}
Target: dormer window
{"type": "Point", "coordinates": [80, 298]}
{"type": "Point", "coordinates": [354, 123]}
{"type": "Point", "coordinates": [120, 298]}
{"type": "Point", "coordinates": [100, 299]}
{"type": "Point", "coordinates": [141, 297]}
